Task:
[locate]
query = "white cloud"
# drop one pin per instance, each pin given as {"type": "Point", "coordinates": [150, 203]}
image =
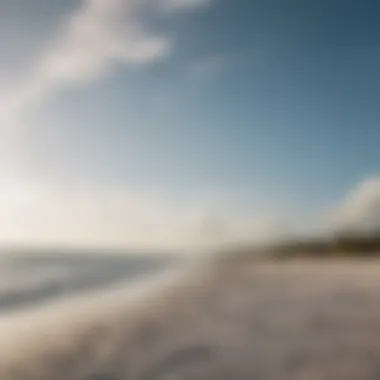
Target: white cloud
{"type": "Point", "coordinates": [101, 33]}
{"type": "Point", "coordinates": [122, 217]}
{"type": "Point", "coordinates": [360, 210]}
{"type": "Point", "coordinates": [98, 35]}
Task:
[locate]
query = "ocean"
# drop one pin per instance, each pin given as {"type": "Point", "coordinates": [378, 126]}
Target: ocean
{"type": "Point", "coordinates": [34, 279]}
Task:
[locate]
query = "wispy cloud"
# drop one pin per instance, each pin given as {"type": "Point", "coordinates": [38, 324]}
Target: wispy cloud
{"type": "Point", "coordinates": [97, 36]}
{"type": "Point", "coordinates": [360, 210]}
{"type": "Point", "coordinates": [124, 217]}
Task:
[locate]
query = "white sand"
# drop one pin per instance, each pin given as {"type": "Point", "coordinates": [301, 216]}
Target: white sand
{"type": "Point", "coordinates": [264, 321]}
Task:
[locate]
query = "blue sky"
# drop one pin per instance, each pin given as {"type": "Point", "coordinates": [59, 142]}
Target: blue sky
{"type": "Point", "coordinates": [240, 110]}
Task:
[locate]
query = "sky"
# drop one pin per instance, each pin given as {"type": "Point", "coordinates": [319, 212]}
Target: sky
{"type": "Point", "coordinates": [169, 124]}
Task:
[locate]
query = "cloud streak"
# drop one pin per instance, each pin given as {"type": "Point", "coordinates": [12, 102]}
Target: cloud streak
{"type": "Point", "coordinates": [360, 210]}
{"type": "Point", "coordinates": [97, 36]}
